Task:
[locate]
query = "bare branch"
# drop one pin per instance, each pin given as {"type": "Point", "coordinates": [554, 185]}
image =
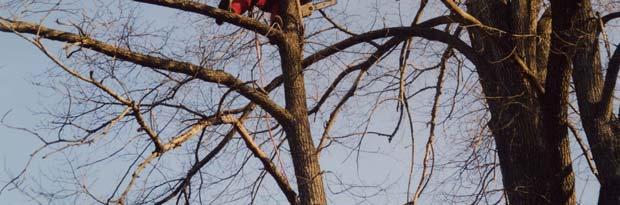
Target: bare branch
{"type": "Point", "coordinates": [584, 148]}
{"type": "Point", "coordinates": [238, 20]}
{"type": "Point", "coordinates": [610, 81]}
{"type": "Point", "coordinates": [401, 32]}
{"type": "Point", "coordinates": [280, 179]}
{"type": "Point", "coordinates": [192, 131]}
{"type": "Point", "coordinates": [205, 74]}
{"type": "Point", "coordinates": [362, 67]}
{"type": "Point", "coordinates": [203, 162]}
{"type": "Point", "coordinates": [429, 151]}
{"type": "Point", "coordinates": [136, 173]}
{"type": "Point", "coordinates": [611, 16]}
{"type": "Point", "coordinates": [456, 9]}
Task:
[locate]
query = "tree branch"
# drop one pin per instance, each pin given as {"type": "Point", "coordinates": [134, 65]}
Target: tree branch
{"type": "Point", "coordinates": [456, 9]}
{"type": "Point", "coordinates": [610, 80]}
{"type": "Point", "coordinates": [136, 173]}
{"type": "Point", "coordinates": [203, 162]}
{"type": "Point", "coordinates": [360, 38]}
{"type": "Point", "coordinates": [282, 182]}
{"type": "Point", "coordinates": [229, 17]}
{"type": "Point", "coordinates": [403, 32]}
{"type": "Point", "coordinates": [363, 67]}
{"type": "Point", "coordinates": [611, 16]}
{"type": "Point", "coordinates": [585, 149]}
{"type": "Point", "coordinates": [205, 74]}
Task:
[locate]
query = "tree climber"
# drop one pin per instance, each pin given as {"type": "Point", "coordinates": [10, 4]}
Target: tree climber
{"type": "Point", "coordinates": [269, 6]}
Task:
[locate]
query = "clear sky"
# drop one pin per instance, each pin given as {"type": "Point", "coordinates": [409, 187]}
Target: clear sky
{"type": "Point", "coordinates": [18, 66]}
{"type": "Point", "coordinates": [21, 65]}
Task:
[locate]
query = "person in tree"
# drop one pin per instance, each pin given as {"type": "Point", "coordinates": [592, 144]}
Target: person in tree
{"type": "Point", "coordinates": [241, 6]}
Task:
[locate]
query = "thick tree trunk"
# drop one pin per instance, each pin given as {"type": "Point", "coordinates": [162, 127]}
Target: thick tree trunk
{"type": "Point", "coordinates": [305, 160]}
{"type": "Point", "coordinates": [304, 155]}
{"type": "Point", "coordinates": [600, 125]}
{"type": "Point", "coordinates": [598, 121]}
{"type": "Point", "coordinates": [555, 101]}
{"type": "Point", "coordinates": [533, 151]}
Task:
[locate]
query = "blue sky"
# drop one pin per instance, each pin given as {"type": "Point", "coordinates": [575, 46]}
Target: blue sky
{"type": "Point", "coordinates": [20, 97]}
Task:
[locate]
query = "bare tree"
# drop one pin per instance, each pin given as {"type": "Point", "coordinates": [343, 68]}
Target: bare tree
{"type": "Point", "coordinates": [185, 91]}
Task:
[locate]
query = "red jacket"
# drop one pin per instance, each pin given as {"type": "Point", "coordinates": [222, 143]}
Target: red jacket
{"type": "Point", "coordinates": [241, 6]}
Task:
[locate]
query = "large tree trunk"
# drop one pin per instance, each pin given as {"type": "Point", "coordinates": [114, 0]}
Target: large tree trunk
{"type": "Point", "coordinates": [304, 155]}
{"type": "Point", "coordinates": [305, 160]}
{"type": "Point", "coordinates": [595, 104]}
{"type": "Point", "coordinates": [555, 101]}
{"type": "Point", "coordinates": [533, 149]}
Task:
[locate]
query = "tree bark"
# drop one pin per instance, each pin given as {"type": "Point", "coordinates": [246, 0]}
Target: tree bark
{"type": "Point", "coordinates": [533, 150]}
{"type": "Point", "coordinates": [594, 98]}
{"type": "Point", "coordinates": [304, 155]}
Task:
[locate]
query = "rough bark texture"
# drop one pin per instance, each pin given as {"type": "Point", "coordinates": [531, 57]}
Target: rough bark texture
{"type": "Point", "coordinates": [305, 158]}
{"type": "Point", "coordinates": [593, 96]}
{"type": "Point", "coordinates": [532, 128]}
{"type": "Point", "coordinates": [533, 149]}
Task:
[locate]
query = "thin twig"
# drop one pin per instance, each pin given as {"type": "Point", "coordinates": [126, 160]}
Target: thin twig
{"type": "Point", "coordinates": [280, 179]}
